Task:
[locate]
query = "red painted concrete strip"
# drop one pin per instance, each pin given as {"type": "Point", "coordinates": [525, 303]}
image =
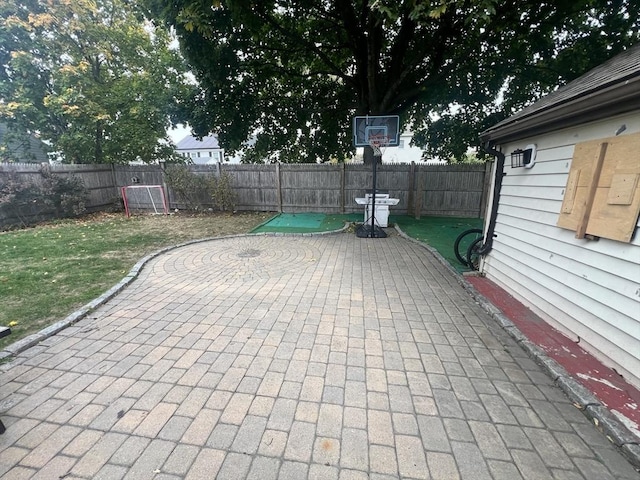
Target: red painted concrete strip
{"type": "Point", "coordinates": [611, 389]}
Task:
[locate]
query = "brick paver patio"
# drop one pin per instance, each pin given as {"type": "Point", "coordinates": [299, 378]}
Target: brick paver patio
{"type": "Point", "coordinates": [327, 357]}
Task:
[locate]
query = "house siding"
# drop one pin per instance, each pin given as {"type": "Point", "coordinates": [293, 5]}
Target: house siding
{"type": "Point", "coordinates": [590, 290]}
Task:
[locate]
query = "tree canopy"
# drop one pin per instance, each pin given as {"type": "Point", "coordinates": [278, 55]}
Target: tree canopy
{"type": "Point", "coordinates": [92, 78]}
{"type": "Point", "coordinates": [296, 71]}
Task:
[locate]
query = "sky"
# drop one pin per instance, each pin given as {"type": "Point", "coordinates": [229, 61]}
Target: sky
{"type": "Point", "coordinates": [178, 133]}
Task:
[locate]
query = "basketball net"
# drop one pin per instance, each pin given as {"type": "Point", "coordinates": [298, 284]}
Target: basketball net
{"type": "Point", "coordinates": [378, 143]}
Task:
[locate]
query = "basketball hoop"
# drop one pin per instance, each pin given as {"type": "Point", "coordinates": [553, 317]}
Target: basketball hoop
{"type": "Point", "coordinates": [378, 144]}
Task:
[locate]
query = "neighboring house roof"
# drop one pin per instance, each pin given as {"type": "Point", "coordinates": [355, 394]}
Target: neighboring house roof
{"type": "Point", "coordinates": [611, 88]}
{"type": "Point", "coordinates": [190, 142]}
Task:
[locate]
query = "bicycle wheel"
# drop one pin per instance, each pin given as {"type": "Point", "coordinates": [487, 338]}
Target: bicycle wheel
{"type": "Point", "coordinates": [462, 243]}
{"type": "Point", "coordinates": [473, 253]}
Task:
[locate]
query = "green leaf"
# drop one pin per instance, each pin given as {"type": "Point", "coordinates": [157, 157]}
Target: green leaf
{"type": "Point", "coordinates": [77, 68]}
{"type": "Point", "coordinates": [288, 76]}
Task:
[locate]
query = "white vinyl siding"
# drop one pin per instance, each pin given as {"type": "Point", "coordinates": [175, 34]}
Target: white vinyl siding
{"type": "Point", "coordinates": [588, 289]}
{"type": "Point", "coordinates": [208, 157]}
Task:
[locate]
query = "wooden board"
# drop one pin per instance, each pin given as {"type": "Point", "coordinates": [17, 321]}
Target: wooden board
{"type": "Point", "coordinates": [570, 192]}
{"type": "Point", "coordinates": [581, 178]}
{"type": "Point", "coordinates": [618, 220]}
{"type": "Point", "coordinates": [602, 196]}
{"type": "Point", "coordinates": [622, 190]}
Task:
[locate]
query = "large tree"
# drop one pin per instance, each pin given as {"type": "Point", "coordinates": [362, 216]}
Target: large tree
{"type": "Point", "coordinates": [90, 77]}
{"type": "Point", "coordinates": [296, 71]}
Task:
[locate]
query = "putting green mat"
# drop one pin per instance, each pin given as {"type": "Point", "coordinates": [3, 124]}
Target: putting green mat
{"type": "Point", "coordinates": [306, 222]}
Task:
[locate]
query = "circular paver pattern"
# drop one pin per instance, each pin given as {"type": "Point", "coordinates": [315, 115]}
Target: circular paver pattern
{"type": "Point", "coordinates": [241, 259]}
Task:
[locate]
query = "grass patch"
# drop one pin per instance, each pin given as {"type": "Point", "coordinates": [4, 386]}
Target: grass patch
{"type": "Point", "coordinates": [51, 270]}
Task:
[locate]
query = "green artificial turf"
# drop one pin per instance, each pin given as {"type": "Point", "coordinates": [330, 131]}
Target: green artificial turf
{"type": "Point", "coordinates": [438, 232]}
{"type": "Point", "coordinates": [306, 222]}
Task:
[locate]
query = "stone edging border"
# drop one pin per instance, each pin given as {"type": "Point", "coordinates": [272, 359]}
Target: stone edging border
{"type": "Point", "coordinates": [608, 424]}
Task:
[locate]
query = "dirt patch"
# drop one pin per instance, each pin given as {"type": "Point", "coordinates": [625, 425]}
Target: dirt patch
{"type": "Point", "coordinates": [187, 226]}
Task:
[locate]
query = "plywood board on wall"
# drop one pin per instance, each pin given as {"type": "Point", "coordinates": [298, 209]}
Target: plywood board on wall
{"type": "Point", "coordinates": [603, 199]}
{"type": "Point", "coordinates": [581, 178]}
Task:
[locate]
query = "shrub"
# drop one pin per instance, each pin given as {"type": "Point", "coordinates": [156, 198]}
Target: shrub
{"type": "Point", "coordinates": [192, 189]}
{"type": "Point", "coordinates": [223, 194]}
{"type": "Point", "coordinates": [66, 195]}
{"type": "Point", "coordinates": [19, 198]}
{"type": "Point", "coordinates": [199, 191]}
{"type": "Point", "coordinates": [29, 201]}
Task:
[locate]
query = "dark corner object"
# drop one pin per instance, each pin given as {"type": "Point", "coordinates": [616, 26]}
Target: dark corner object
{"type": "Point", "coordinates": [4, 331]}
{"type": "Point", "coordinates": [369, 231]}
{"type": "Point", "coordinates": [497, 187]}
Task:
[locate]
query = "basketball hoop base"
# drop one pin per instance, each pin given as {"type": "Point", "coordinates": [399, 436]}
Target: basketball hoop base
{"type": "Point", "coordinates": [364, 231]}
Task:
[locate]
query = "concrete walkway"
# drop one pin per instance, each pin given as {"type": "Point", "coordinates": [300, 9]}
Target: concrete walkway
{"type": "Point", "coordinates": [327, 357]}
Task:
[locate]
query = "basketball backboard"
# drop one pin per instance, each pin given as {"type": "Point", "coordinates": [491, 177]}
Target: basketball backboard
{"type": "Point", "coordinates": [376, 125]}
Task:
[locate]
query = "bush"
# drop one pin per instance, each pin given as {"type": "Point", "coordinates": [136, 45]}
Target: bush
{"type": "Point", "coordinates": [191, 189]}
{"type": "Point", "coordinates": [18, 198]}
{"type": "Point", "coordinates": [30, 201]}
{"type": "Point", "coordinates": [223, 194]}
{"type": "Point", "coordinates": [199, 191]}
{"type": "Point", "coordinates": [67, 196]}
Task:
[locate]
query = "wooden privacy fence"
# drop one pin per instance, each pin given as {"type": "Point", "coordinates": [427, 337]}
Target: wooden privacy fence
{"type": "Point", "coordinates": [451, 190]}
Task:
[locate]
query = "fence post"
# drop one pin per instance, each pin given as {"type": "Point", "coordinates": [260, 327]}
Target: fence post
{"type": "Point", "coordinates": [342, 187]}
{"type": "Point", "coordinates": [115, 180]}
{"type": "Point", "coordinates": [418, 203]}
{"type": "Point", "coordinates": [162, 165]}
{"type": "Point", "coordinates": [411, 188]}
{"type": "Point", "coordinates": [278, 187]}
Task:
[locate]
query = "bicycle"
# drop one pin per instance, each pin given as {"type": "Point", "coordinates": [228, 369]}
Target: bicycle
{"type": "Point", "coordinates": [463, 244]}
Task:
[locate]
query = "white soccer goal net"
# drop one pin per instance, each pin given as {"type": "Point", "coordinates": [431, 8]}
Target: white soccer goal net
{"type": "Point", "coordinates": [144, 199]}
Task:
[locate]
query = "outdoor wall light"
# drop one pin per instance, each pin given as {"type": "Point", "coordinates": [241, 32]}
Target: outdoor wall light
{"type": "Point", "coordinates": [524, 157]}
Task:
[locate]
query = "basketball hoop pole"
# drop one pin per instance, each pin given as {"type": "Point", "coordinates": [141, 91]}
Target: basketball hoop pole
{"type": "Point", "coordinates": [376, 142]}
{"type": "Point", "coordinates": [373, 196]}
